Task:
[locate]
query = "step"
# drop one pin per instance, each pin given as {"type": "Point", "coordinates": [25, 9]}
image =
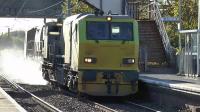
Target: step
{"type": "Point", "coordinates": [156, 56]}
{"type": "Point", "coordinates": [153, 45]}
{"type": "Point", "coordinates": [148, 26]}
{"type": "Point", "coordinates": [158, 49]}
{"type": "Point", "coordinates": [144, 33]}
{"type": "Point", "coordinates": [150, 29]}
{"type": "Point", "coordinates": [158, 60]}
{"type": "Point", "coordinates": [149, 33]}
{"type": "Point", "coordinates": [146, 38]}
{"type": "Point", "coordinates": [159, 54]}
{"type": "Point", "coordinates": [150, 37]}
{"type": "Point", "coordinates": [153, 53]}
{"type": "Point", "coordinates": [146, 22]}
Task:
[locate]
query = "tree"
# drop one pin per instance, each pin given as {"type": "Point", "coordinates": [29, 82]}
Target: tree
{"type": "Point", "coordinates": [75, 7]}
{"type": "Point", "coordinates": [189, 17]}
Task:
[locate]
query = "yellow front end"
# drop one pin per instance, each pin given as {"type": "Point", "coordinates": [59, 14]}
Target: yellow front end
{"type": "Point", "coordinates": [102, 87]}
{"type": "Point", "coordinates": [108, 76]}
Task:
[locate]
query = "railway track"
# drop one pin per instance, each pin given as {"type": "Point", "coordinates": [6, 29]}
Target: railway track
{"type": "Point", "coordinates": [99, 106]}
{"type": "Point", "coordinates": [93, 104]}
{"type": "Point", "coordinates": [128, 106]}
{"type": "Point", "coordinates": [149, 109]}
{"type": "Point", "coordinates": [104, 108]}
{"type": "Point", "coordinates": [8, 86]}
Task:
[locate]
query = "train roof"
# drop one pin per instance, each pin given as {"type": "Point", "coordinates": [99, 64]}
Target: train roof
{"type": "Point", "coordinates": [78, 17]}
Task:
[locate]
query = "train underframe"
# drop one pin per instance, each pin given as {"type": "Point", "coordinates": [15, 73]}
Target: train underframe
{"type": "Point", "coordinates": [93, 82]}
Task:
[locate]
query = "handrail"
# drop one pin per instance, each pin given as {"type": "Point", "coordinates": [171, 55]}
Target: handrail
{"type": "Point", "coordinates": [161, 27]}
{"type": "Point", "coordinates": [155, 15]}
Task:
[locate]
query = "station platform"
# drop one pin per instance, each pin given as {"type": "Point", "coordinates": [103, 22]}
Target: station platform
{"type": "Point", "coordinates": [173, 81]}
{"type": "Point", "coordinates": [8, 104]}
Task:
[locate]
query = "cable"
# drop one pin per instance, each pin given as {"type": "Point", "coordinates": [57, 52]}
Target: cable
{"type": "Point", "coordinates": [25, 1]}
{"type": "Point", "coordinates": [77, 4]}
{"type": "Point", "coordinates": [21, 8]}
{"type": "Point", "coordinates": [45, 8]}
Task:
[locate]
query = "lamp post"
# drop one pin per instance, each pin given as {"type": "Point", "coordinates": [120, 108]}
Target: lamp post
{"type": "Point", "coordinates": [198, 35]}
{"type": "Point", "coordinates": [179, 28]}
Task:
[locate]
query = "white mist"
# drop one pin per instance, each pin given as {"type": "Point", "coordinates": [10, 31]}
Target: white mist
{"type": "Point", "coordinates": [21, 70]}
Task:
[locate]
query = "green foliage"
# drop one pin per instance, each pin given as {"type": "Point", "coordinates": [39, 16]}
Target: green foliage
{"type": "Point", "coordinates": [76, 7]}
{"type": "Point", "coordinates": [143, 10]}
{"type": "Point", "coordinates": [64, 7]}
{"type": "Point", "coordinates": [189, 18]}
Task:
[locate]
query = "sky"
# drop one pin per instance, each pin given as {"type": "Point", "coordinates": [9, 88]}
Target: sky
{"type": "Point", "coordinates": [19, 23]}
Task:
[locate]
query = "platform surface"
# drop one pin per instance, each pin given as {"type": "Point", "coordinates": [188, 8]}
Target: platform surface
{"type": "Point", "coordinates": [190, 84]}
{"type": "Point", "coordinates": [8, 104]}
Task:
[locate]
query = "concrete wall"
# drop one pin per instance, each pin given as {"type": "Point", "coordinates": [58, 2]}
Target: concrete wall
{"type": "Point", "coordinates": [25, 8]}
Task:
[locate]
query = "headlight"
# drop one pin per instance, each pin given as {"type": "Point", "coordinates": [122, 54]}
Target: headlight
{"type": "Point", "coordinates": [128, 61]}
{"type": "Point", "coordinates": [90, 60]}
{"type": "Point", "coordinates": [109, 18]}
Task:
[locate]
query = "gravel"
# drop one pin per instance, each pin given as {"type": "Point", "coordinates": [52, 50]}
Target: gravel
{"type": "Point", "coordinates": [60, 99]}
{"type": "Point", "coordinates": [121, 106]}
{"type": "Point", "coordinates": [68, 103]}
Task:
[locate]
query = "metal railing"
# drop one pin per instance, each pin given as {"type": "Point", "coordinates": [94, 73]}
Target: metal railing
{"type": "Point", "coordinates": [156, 15]}
{"type": "Point", "coordinates": [138, 9]}
{"type": "Point", "coordinates": [188, 57]}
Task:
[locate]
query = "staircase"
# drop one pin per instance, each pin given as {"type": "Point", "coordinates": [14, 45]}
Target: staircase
{"type": "Point", "coordinates": [156, 52]}
{"type": "Point", "coordinates": [151, 44]}
{"type": "Point", "coordinates": [152, 52]}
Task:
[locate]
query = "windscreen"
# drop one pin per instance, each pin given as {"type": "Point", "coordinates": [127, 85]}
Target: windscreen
{"type": "Point", "coordinates": [109, 31]}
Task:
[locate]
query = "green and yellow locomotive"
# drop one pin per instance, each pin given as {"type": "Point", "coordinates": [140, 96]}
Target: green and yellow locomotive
{"type": "Point", "coordinates": [94, 55]}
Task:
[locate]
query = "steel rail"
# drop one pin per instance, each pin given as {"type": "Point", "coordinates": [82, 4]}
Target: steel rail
{"type": "Point", "coordinates": [11, 83]}
{"type": "Point", "coordinates": [96, 105]}
{"type": "Point", "coordinates": [41, 102]}
{"type": "Point", "coordinates": [35, 98]}
{"type": "Point", "coordinates": [103, 108]}
{"type": "Point", "coordinates": [142, 106]}
{"type": "Point", "coordinates": [92, 103]}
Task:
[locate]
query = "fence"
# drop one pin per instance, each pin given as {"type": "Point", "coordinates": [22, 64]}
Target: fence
{"type": "Point", "coordinates": [188, 58]}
